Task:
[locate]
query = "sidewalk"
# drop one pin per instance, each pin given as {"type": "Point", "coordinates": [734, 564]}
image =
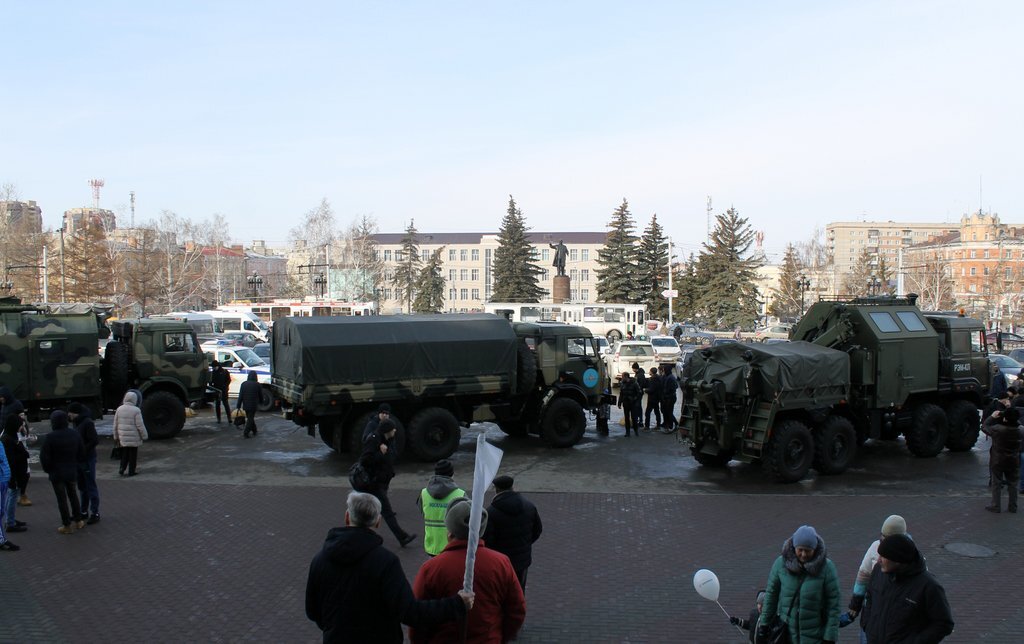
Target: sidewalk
{"type": "Point", "coordinates": [173, 562]}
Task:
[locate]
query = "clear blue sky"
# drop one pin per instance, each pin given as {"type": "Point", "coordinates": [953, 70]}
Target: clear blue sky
{"type": "Point", "coordinates": [797, 113]}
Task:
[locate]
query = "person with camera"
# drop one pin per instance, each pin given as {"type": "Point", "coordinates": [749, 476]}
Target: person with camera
{"type": "Point", "coordinates": [1003, 427]}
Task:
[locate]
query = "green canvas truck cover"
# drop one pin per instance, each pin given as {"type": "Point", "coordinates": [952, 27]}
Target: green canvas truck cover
{"type": "Point", "coordinates": [380, 349]}
{"type": "Point", "coordinates": [785, 366]}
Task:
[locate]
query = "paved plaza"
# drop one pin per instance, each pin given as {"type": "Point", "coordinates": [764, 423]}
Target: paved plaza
{"type": "Point", "coordinates": [211, 542]}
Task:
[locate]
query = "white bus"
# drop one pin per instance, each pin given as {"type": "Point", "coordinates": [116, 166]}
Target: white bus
{"type": "Point", "coordinates": [244, 321]}
{"type": "Point", "coordinates": [612, 321]}
{"type": "Point", "coordinates": [276, 309]}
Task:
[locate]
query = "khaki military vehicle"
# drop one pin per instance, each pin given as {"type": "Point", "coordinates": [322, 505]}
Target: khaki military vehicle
{"type": "Point", "coordinates": [51, 359]}
{"type": "Point", "coordinates": [438, 372]}
{"type": "Point", "coordinates": [856, 369]}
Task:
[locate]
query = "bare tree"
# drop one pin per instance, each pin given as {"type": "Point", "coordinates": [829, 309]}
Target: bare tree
{"type": "Point", "coordinates": [816, 261]}
{"type": "Point", "coordinates": [311, 240]}
{"type": "Point", "coordinates": [932, 279]}
{"type": "Point", "coordinates": [184, 274]}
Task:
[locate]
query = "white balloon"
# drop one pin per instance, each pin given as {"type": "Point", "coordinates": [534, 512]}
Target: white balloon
{"type": "Point", "coordinates": [705, 583]}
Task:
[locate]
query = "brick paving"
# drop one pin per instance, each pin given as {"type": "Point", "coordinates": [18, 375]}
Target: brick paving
{"type": "Point", "coordinates": [175, 562]}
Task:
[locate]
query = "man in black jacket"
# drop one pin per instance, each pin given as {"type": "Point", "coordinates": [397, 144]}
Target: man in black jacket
{"type": "Point", "coordinates": [60, 455]}
{"type": "Point", "coordinates": [669, 384]}
{"type": "Point", "coordinates": [1003, 427]}
{"type": "Point", "coordinates": [220, 380]}
{"type": "Point", "coordinates": [356, 590]}
{"type": "Point", "coordinates": [378, 459]}
{"type": "Point", "coordinates": [79, 415]}
{"type": "Point", "coordinates": [248, 400]}
{"type": "Point", "coordinates": [904, 602]}
{"type": "Point", "coordinates": [513, 526]}
{"type": "Point", "coordinates": [653, 391]}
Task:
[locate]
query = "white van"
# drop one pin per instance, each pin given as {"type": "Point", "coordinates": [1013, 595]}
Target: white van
{"type": "Point", "coordinates": [249, 323]}
{"type": "Point", "coordinates": [201, 323]}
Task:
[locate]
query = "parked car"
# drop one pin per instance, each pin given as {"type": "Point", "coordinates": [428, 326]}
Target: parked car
{"type": "Point", "coordinates": [1007, 366]}
{"type": "Point", "coordinates": [623, 354]}
{"type": "Point", "coordinates": [1002, 341]}
{"type": "Point", "coordinates": [717, 342]}
{"type": "Point", "coordinates": [242, 338]}
{"type": "Point", "coordinates": [239, 361]}
{"type": "Point", "coordinates": [603, 346]}
{"type": "Point", "coordinates": [262, 349]}
{"type": "Point", "coordinates": [1016, 354]}
{"type": "Point", "coordinates": [780, 331]}
{"type": "Point", "coordinates": [666, 348]}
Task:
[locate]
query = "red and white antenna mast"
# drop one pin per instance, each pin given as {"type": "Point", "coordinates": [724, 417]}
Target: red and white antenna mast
{"type": "Point", "coordinates": [96, 185]}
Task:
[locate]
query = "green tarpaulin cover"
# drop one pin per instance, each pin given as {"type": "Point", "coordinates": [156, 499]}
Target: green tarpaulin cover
{"type": "Point", "coordinates": [784, 366]}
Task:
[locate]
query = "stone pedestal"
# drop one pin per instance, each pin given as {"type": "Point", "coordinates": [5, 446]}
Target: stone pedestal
{"type": "Point", "coordinates": [560, 289]}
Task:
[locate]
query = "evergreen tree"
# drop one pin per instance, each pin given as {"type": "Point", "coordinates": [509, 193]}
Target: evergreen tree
{"type": "Point", "coordinates": [430, 286]}
{"type": "Point", "coordinates": [407, 272]}
{"type": "Point", "coordinates": [786, 297]}
{"type": "Point", "coordinates": [685, 281]}
{"type": "Point", "coordinates": [886, 277]}
{"type": "Point", "coordinates": [87, 265]}
{"type": "Point", "coordinates": [515, 274]}
{"type": "Point", "coordinates": [616, 277]}
{"type": "Point", "coordinates": [652, 270]}
{"type": "Point", "coordinates": [855, 284]}
{"type": "Point", "coordinates": [727, 274]}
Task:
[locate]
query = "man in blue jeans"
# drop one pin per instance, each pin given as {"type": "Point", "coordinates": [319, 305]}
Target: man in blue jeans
{"type": "Point", "coordinates": [90, 492]}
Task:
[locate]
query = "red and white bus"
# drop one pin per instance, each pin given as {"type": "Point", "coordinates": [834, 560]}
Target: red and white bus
{"type": "Point", "coordinates": [273, 310]}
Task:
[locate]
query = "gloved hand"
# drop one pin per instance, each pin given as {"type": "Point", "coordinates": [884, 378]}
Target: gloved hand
{"type": "Point", "coordinates": [735, 621]}
{"type": "Point", "coordinates": [762, 633]}
{"type": "Point", "coordinates": [845, 619]}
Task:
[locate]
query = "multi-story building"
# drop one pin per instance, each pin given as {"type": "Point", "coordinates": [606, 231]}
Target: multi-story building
{"type": "Point", "coordinates": [468, 259]}
{"type": "Point", "coordinates": [23, 216]}
{"type": "Point", "coordinates": [847, 241]}
{"type": "Point", "coordinates": [75, 218]}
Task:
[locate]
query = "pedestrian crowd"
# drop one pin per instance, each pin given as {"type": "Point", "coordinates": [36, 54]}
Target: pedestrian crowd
{"type": "Point", "coordinates": [659, 388]}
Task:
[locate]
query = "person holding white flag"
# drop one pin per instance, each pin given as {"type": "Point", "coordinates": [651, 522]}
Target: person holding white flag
{"type": "Point", "coordinates": [467, 564]}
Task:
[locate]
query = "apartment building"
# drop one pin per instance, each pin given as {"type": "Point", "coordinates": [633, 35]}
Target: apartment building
{"type": "Point", "coordinates": [468, 257]}
{"type": "Point", "coordinates": [847, 240]}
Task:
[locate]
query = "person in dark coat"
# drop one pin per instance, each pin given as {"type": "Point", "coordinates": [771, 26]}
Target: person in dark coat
{"type": "Point", "coordinates": [220, 380]}
{"type": "Point", "coordinates": [79, 415]}
{"type": "Point", "coordinates": [383, 413]}
{"type": "Point", "coordinates": [653, 391]}
{"type": "Point", "coordinates": [1003, 427]}
{"type": "Point", "coordinates": [356, 590]}
{"type": "Point", "coordinates": [669, 385]}
{"type": "Point", "coordinates": [641, 381]}
{"type": "Point", "coordinates": [60, 456]}
{"type": "Point", "coordinates": [378, 459]}
{"type": "Point", "coordinates": [513, 526]}
{"type": "Point", "coordinates": [904, 602]}
{"type": "Point", "coordinates": [629, 398]}
{"type": "Point", "coordinates": [998, 385]}
{"type": "Point", "coordinates": [9, 405]}
{"type": "Point", "coordinates": [753, 619]}
{"type": "Point", "coordinates": [17, 459]}
{"type": "Point", "coordinates": [248, 401]}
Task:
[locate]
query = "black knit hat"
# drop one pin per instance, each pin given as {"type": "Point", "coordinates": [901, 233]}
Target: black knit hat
{"type": "Point", "coordinates": [899, 548]}
{"type": "Point", "coordinates": [444, 467]}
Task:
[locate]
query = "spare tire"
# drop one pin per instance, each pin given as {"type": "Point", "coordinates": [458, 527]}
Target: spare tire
{"type": "Point", "coordinates": [114, 373]}
{"type": "Point", "coordinates": [164, 414]}
{"type": "Point", "coordinates": [526, 367]}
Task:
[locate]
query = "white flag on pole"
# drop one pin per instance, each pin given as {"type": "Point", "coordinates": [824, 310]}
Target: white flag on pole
{"type": "Point", "coordinates": [488, 458]}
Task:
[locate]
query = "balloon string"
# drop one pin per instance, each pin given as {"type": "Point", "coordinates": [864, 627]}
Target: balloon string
{"type": "Point", "coordinates": [729, 616]}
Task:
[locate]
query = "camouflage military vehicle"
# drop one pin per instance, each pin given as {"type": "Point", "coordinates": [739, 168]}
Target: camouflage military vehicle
{"type": "Point", "coordinates": [51, 359]}
{"type": "Point", "coordinates": [857, 369]}
{"type": "Point", "coordinates": [438, 372]}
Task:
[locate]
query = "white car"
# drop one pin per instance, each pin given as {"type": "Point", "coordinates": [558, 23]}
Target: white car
{"type": "Point", "coordinates": [624, 354]}
{"type": "Point", "coordinates": [239, 361]}
{"type": "Point", "coordinates": [603, 347]}
{"type": "Point", "coordinates": [666, 348]}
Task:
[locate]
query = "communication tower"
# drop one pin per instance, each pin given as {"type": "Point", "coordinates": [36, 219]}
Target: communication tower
{"type": "Point", "coordinates": [96, 185]}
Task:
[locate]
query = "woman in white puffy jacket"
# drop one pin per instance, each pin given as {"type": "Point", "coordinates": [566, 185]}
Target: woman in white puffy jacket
{"type": "Point", "coordinates": [129, 432]}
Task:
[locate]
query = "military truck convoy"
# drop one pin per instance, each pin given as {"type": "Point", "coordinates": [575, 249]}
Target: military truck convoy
{"type": "Point", "coordinates": [51, 359]}
{"type": "Point", "coordinates": [861, 368]}
{"type": "Point", "coordinates": [437, 372]}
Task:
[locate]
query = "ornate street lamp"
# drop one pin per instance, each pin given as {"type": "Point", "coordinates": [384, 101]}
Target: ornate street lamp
{"type": "Point", "coordinates": [255, 284]}
{"type": "Point", "coordinates": [874, 285]}
{"type": "Point", "coordinates": [804, 285]}
{"type": "Point", "coordinates": [321, 282]}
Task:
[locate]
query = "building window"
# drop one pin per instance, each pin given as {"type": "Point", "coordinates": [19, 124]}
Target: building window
{"type": "Point", "coordinates": [974, 271]}
{"type": "Point", "coordinates": [574, 295]}
{"type": "Point", "coordinates": [476, 294]}
{"type": "Point", "coordinates": [475, 254]}
{"type": "Point", "coordinates": [451, 274]}
{"type": "Point", "coordinates": [399, 256]}
{"type": "Point", "coordinates": [545, 254]}
{"type": "Point", "coordinates": [387, 255]}
{"type": "Point", "coordinates": [585, 254]}
{"type": "Point", "coordinates": [573, 256]}
{"type": "Point", "coordinates": [451, 254]}
{"type": "Point", "coordinates": [1009, 273]}
{"type": "Point", "coordinates": [452, 293]}
{"type": "Point", "coordinates": [985, 270]}
{"type": "Point", "coordinates": [463, 255]}
{"type": "Point", "coordinates": [544, 275]}
{"type": "Point", "coordinates": [985, 254]}
{"type": "Point", "coordinates": [425, 255]}
{"type": "Point", "coordinates": [475, 274]}
{"type": "Point", "coordinates": [398, 294]}
{"type": "Point", "coordinates": [973, 288]}
{"type": "Point", "coordinates": [386, 294]}
{"type": "Point", "coordinates": [574, 274]}
{"type": "Point", "coordinates": [974, 254]}
{"type": "Point", "coordinates": [464, 293]}
{"type": "Point", "coordinates": [585, 275]}
{"type": "Point", "coordinates": [585, 294]}
{"type": "Point", "coordinates": [464, 274]}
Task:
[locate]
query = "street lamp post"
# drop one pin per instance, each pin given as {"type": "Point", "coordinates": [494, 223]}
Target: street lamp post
{"type": "Point", "coordinates": [804, 285]}
{"type": "Point", "coordinates": [320, 281]}
{"type": "Point", "coordinates": [874, 284]}
{"type": "Point", "coordinates": [255, 284]}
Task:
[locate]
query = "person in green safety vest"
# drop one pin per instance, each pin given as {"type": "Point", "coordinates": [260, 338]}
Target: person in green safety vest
{"type": "Point", "coordinates": [433, 500]}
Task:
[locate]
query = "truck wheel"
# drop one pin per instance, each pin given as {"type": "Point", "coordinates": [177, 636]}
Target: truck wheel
{"type": "Point", "coordinates": [964, 426]}
{"type": "Point", "coordinates": [928, 435]}
{"type": "Point", "coordinates": [564, 423]}
{"type": "Point", "coordinates": [163, 413]}
{"type": "Point", "coordinates": [266, 400]}
{"type": "Point", "coordinates": [114, 373]}
{"type": "Point", "coordinates": [351, 440]}
{"type": "Point", "coordinates": [721, 459]}
{"type": "Point", "coordinates": [328, 427]}
{"type": "Point", "coordinates": [526, 367]}
{"type": "Point", "coordinates": [433, 434]}
{"type": "Point", "coordinates": [835, 445]}
{"type": "Point", "coordinates": [789, 453]}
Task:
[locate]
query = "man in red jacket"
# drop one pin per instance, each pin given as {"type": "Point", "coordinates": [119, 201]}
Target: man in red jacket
{"type": "Point", "coordinates": [499, 608]}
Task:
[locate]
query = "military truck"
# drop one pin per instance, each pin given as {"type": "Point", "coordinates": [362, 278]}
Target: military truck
{"type": "Point", "coordinates": [51, 359]}
{"type": "Point", "coordinates": [437, 372]}
{"type": "Point", "coordinates": [855, 369]}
